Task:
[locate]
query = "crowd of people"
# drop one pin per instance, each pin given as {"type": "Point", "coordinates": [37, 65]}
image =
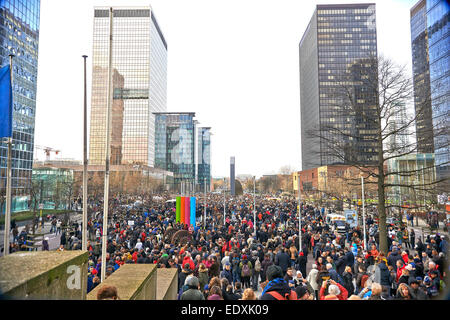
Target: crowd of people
{"type": "Point", "coordinates": [224, 259]}
{"type": "Point", "coordinates": [228, 261]}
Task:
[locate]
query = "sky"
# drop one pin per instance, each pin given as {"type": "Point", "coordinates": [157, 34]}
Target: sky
{"type": "Point", "coordinates": [234, 63]}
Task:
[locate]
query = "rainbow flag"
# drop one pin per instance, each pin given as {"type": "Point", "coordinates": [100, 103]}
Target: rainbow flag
{"type": "Point", "coordinates": [182, 208]}
{"type": "Point", "coordinates": [193, 211]}
{"type": "Point", "coordinates": [187, 210]}
{"type": "Point", "coordinates": [178, 209]}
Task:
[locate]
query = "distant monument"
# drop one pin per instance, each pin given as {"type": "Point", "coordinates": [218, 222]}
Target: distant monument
{"type": "Point", "coordinates": [232, 179]}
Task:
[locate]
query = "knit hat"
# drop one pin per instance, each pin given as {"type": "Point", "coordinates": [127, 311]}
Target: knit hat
{"type": "Point", "coordinates": [274, 272]}
{"type": "Point", "coordinates": [192, 281]}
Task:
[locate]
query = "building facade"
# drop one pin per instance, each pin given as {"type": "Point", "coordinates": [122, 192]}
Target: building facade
{"type": "Point", "coordinates": [19, 35]}
{"type": "Point", "coordinates": [204, 158]}
{"type": "Point", "coordinates": [175, 146]}
{"type": "Point", "coordinates": [421, 78]}
{"type": "Point", "coordinates": [139, 67]}
{"type": "Point", "coordinates": [431, 70]}
{"type": "Point", "coordinates": [52, 187]}
{"type": "Point", "coordinates": [413, 177]}
{"type": "Point", "coordinates": [438, 24]}
{"type": "Point", "coordinates": [338, 48]}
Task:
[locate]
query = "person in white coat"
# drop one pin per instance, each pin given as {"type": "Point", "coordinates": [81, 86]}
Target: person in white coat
{"type": "Point", "coordinates": [311, 278]}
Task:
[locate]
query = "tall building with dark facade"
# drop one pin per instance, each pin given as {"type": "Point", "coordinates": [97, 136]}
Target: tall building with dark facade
{"type": "Point", "coordinates": [338, 44]}
{"type": "Point", "coordinates": [175, 145]}
{"type": "Point", "coordinates": [139, 63]}
{"type": "Point", "coordinates": [204, 158]}
{"type": "Point", "coordinates": [431, 69]}
{"type": "Point", "coordinates": [19, 35]}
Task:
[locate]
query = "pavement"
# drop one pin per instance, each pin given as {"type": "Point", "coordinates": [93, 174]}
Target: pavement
{"type": "Point", "coordinates": [54, 239]}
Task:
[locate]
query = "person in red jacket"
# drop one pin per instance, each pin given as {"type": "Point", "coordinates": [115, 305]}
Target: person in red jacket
{"type": "Point", "coordinates": [335, 291]}
{"type": "Point", "coordinates": [187, 259]}
{"type": "Point", "coordinates": [400, 267]}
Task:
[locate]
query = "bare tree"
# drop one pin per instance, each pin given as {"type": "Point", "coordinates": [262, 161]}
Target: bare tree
{"type": "Point", "coordinates": [370, 95]}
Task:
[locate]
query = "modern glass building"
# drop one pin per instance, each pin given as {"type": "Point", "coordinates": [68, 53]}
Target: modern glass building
{"type": "Point", "coordinates": [19, 35]}
{"type": "Point", "coordinates": [54, 187]}
{"type": "Point", "coordinates": [139, 62]}
{"type": "Point", "coordinates": [175, 145]}
{"type": "Point", "coordinates": [338, 44]}
{"type": "Point", "coordinates": [431, 67]}
{"type": "Point", "coordinates": [438, 24]}
{"type": "Point", "coordinates": [421, 78]}
{"type": "Point", "coordinates": [204, 158]}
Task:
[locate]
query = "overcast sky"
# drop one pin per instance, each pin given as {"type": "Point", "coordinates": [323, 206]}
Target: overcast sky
{"type": "Point", "coordinates": [235, 63]}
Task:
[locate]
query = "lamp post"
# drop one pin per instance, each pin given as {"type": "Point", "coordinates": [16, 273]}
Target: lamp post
{"type": "Point", "coordinates": [364, 212]}
{"type": "Point", "coordinates": [84, 223]}
{"type": "Point", "coordinates": [299, 216]}
{"type": "Point", "coordinates": [224, 204]}
{"type": "Point", "coordinates": [254, 205]}
{"type": "Point", "coordinates": [204, 209]}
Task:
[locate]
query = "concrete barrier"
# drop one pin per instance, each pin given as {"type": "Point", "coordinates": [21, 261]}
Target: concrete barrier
{"type": "Point", "coordinates": [39, 275]}
{"type": "Point", "coordinates": [167, 284]}
{"type": "Point", "coordinates": [133, 282]}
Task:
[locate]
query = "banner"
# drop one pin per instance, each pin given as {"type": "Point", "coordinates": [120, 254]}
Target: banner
{"type": "Point", "coordinates": [187, 210]}
{"type": "Point", "coordinates": [177, 219]}
{"type": "Point", "coordinates": [182, 208]}
{"type": "Point", "coordinates": [6, 98]}
{"type": "Point", "coordinates": [193, 211]}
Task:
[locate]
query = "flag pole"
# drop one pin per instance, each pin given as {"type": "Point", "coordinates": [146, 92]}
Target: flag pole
{"type": "Point", "coordinates": [107, 151]}
{"type": "Point", "coordinates": [84, 223]}
{"type": "Point", "coordinates": [8, 179]}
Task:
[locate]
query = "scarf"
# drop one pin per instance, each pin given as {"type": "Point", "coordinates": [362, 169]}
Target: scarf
{"type": "Point", "coordinates": [271, 283]}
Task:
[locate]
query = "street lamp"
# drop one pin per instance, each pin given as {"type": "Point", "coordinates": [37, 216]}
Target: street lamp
{"type": "Point", "coordinates": [224, 204]}
{"type": "Point", "coordinates": [204, 208]}
{"type": "Point", "coordinates": [299, 216]}
{"type": "Point", "coordinates": [254, 205]}
{"type": "Point", "coordinates": [364, 212]}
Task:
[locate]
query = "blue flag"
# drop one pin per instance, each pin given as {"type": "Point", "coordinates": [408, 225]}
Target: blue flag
{"type": "Point", "coordinates": [5, 102]}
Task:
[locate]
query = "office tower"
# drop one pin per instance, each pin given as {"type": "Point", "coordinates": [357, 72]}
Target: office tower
{"type": "Point", "coordinates": [431, 65]}
{"type": "Point", "coordinates": [232, 176]}
{"type": "Point", "coordinates": [139, 67]}
{"type": "Point", "coordinates": [338, 44]}
{"type": "Point", "coordinates": [175, 146]}
{"type": "Point", "coordinates": [421, 78]}
{"type": "Point", "coordinates": [19, 35]}
{"type": "Point", "coordinates": [204, 158]}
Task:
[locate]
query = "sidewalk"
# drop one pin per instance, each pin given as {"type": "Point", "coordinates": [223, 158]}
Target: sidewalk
{"type": "Point", "coordinates": [53, 239]}
{"type": "Point", "coordinates": [423, 229]}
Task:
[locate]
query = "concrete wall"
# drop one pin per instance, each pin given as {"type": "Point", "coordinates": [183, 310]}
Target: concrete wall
{"type": "Point", "coordinates": [133, 282]}
{"type": "Point", "coordinates": [39, 275]}
{"type": "Point", "coordinates": [167, 284]}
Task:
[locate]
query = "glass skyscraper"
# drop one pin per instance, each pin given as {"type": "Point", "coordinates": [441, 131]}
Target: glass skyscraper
{"type": "Point", "coordinates": [204, 158]}
{"type": "Point", "coordinates": [175, 144]}
{"type": "Point", "coordinates": [338, 44]}
{"type": "Point", "coordinates": [19, 35]}
{"type": "Point", "coordinates": [139, 63]}
{"type": "Point", "coordinates": [431, 68]}
{"type": "Point", "coordinates": [421, 78]}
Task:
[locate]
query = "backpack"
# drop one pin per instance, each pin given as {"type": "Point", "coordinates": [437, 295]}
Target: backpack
{"type": "Point", "coordinates": [246, 272]}
{"type": "Point", "coordinates": [257, 266]}
{"type": "Point", "coordinates": [291, 296]}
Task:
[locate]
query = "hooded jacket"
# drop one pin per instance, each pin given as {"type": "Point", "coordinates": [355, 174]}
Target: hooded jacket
{"type": "Point", "coordinates": [280, 286]}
